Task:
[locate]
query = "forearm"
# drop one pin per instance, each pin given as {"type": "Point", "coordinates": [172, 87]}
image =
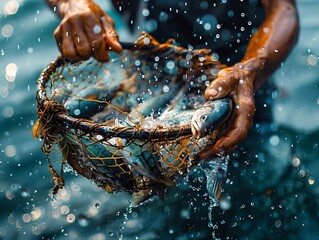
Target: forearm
{"type": "Point", "coordinates": [273, 41]}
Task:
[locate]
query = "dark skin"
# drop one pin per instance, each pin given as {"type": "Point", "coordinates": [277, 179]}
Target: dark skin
{"type": "Point", "coordinates": [86, 30]}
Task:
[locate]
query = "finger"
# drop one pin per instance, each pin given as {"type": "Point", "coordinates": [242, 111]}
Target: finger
{"type": "Point", "coordinates": [111, 36]}
{"type": "Point", "coordinates": [79, 38]}
{"type": "Point", "coordinates": [58, 37]}
{"type": "Point", "coordinates": [68, 47]}
{"type": "Point", "coordinates": [95, 38]}
{"type": "Point", "coordinates": [222, 85]}
{"type": "Point", "coordinates": [98, 50]}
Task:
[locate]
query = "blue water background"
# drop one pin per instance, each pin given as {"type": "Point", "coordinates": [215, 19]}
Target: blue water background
{"type": "Point", "coordinates": [26, 210]}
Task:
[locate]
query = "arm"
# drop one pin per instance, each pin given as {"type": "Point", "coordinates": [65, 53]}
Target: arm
{"type": "Point", "coordinates": [269, 46]}
{"type": "Point", "coordinates": [85, 30]}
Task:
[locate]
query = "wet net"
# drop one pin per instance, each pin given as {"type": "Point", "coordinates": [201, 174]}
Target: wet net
{"type": "Point", "coordinates": [126, 124]}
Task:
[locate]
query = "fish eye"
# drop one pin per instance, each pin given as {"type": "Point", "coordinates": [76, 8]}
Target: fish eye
{"type": "Point", "coordinates": [203, 118]}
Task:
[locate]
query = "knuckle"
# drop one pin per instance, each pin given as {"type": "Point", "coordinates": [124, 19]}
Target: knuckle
{"type": "Point", "coordinates": [57, 35]}
{"type": "Point", "coordinates": [69, 53]}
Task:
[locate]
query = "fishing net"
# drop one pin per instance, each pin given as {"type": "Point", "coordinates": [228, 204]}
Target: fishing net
{"type": "Point", "coordinates": [124, 124]}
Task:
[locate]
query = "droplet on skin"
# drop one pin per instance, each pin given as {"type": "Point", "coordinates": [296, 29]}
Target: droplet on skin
{"type": "Point", "coordinates": [97, 29]}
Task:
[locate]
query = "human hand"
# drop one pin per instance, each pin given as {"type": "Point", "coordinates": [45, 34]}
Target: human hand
{"type": "Point", "coordinates": [85, 31]}
{"type": "Point", "coordinates": [238, 83]}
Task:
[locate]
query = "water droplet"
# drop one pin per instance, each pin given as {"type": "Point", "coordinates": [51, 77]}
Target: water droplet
{"type": "Point", "coordinates": [11, 7]}
{"type": "Point", "coordinates": [163, 16]}
{"type": "Point", "coordinates": [83, 221]}
{"type": "Point", "coordinates": [225, 204]}
{"type": "Point", "coordinates": [137, 63]}
{"type": "Point", "coordinates": [10, 151]}
{"type": "Point", "coordinates": [147, 41]}
{"type": "Point", "coordinates": [11, 71]}
{"type": "Point", "coordinates": [311, 180]}
{"type": "Point", "coordinates": [312, 60]}
{"type": "Point", "coordinates": [97, 29]}
{"type": "Point", "coordinates": [30, 50]}
{"type": "Point", "coordinates": [207, 26]}
{"type": "Point", "coordinates": [25, 193]}
{"type": "Point", "coordinates": [170, 64]}
{"type": "Point", "coordinates": [274, 140]}
{"type": "Point", "coordinates": [277, 223]}
{"type": "Point", "coordinates": [296, 162]}
{"type": "Point", "coordinates": [145, 12]}
{"type": "Point", "coordinates": [165, 88]}
{"type": "Point", "coordinates": [70, 218]}
{"type": "Point", "coordinates": [7, 112]}
{"type": "Point", "coordinates": [7, 30]}
{"type": "Point", "coordinates": [77, 112]}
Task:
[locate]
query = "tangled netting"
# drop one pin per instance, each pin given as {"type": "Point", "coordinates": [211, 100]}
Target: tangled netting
{"type": "Point", "coordinates": [125, 124]}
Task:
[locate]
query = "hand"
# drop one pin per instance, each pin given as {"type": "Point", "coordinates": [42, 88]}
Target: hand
{"type": "Point", "coordinates": [238, 83]}
{"type": "Point", "coordinates": [85, 31]}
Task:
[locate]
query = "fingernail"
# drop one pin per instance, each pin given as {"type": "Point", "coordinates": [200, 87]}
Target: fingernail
{"type": "Point", "coordinates": [212, 92]}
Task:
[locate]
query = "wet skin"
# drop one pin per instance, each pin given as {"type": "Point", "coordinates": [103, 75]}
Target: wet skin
{"type": "Point", "coordinates": [267, 48]}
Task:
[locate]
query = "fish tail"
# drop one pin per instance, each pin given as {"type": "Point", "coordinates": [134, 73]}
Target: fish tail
{"type": "Point", "coordinates": [216, 176]}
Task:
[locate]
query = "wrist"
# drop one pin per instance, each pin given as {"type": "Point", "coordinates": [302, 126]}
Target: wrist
{"type": "Point", "coordinates": [255, 68]}
{"type": "Point", "coordinates": [65, 7]}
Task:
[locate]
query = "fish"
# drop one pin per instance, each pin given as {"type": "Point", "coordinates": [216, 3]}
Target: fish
{"type": "Point", "coordinates": [154, 105]}
{"type": "Point", "coordinates": [216, 174]}
{"type": "Point", "coordinates": [61, 94]}
{"type": "Point", "coordinates": [166, 157]}
{"type": "Point", "coordinates": [180, 155]}
{"type": "Point", "coordinates": [106, 161]}
{"type": "Point", "coordinates": [93, 99]}
{"type": "Point", "coordinates": [210, 116]}
{"type": "Point", "coordinates": [142, 159]}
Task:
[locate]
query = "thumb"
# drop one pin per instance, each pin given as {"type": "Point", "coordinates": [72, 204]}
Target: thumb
{"type": "Point", "coordinates": [221, 86]}
{"type": "Point", "coordinates": [111, 37]}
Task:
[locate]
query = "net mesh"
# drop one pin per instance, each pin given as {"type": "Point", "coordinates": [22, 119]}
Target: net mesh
{"type": "Point", "coordinates": [124, 124]}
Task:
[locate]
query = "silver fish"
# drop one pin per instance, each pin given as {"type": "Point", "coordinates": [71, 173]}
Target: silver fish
{"type": "Point", "coordinates": [106, 160]}
{"type": "Point", "coordinates": [172, 156]}
{"type": "Point", "coordinates": [93, 99]}
{"type": "Point", "coordinates": [61, 94]}
{"type": "Point", "coordinates": [210, 116]}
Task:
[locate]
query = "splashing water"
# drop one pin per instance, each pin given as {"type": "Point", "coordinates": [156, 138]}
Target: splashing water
{"type": "Point", "coordinates": [216, 174]}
